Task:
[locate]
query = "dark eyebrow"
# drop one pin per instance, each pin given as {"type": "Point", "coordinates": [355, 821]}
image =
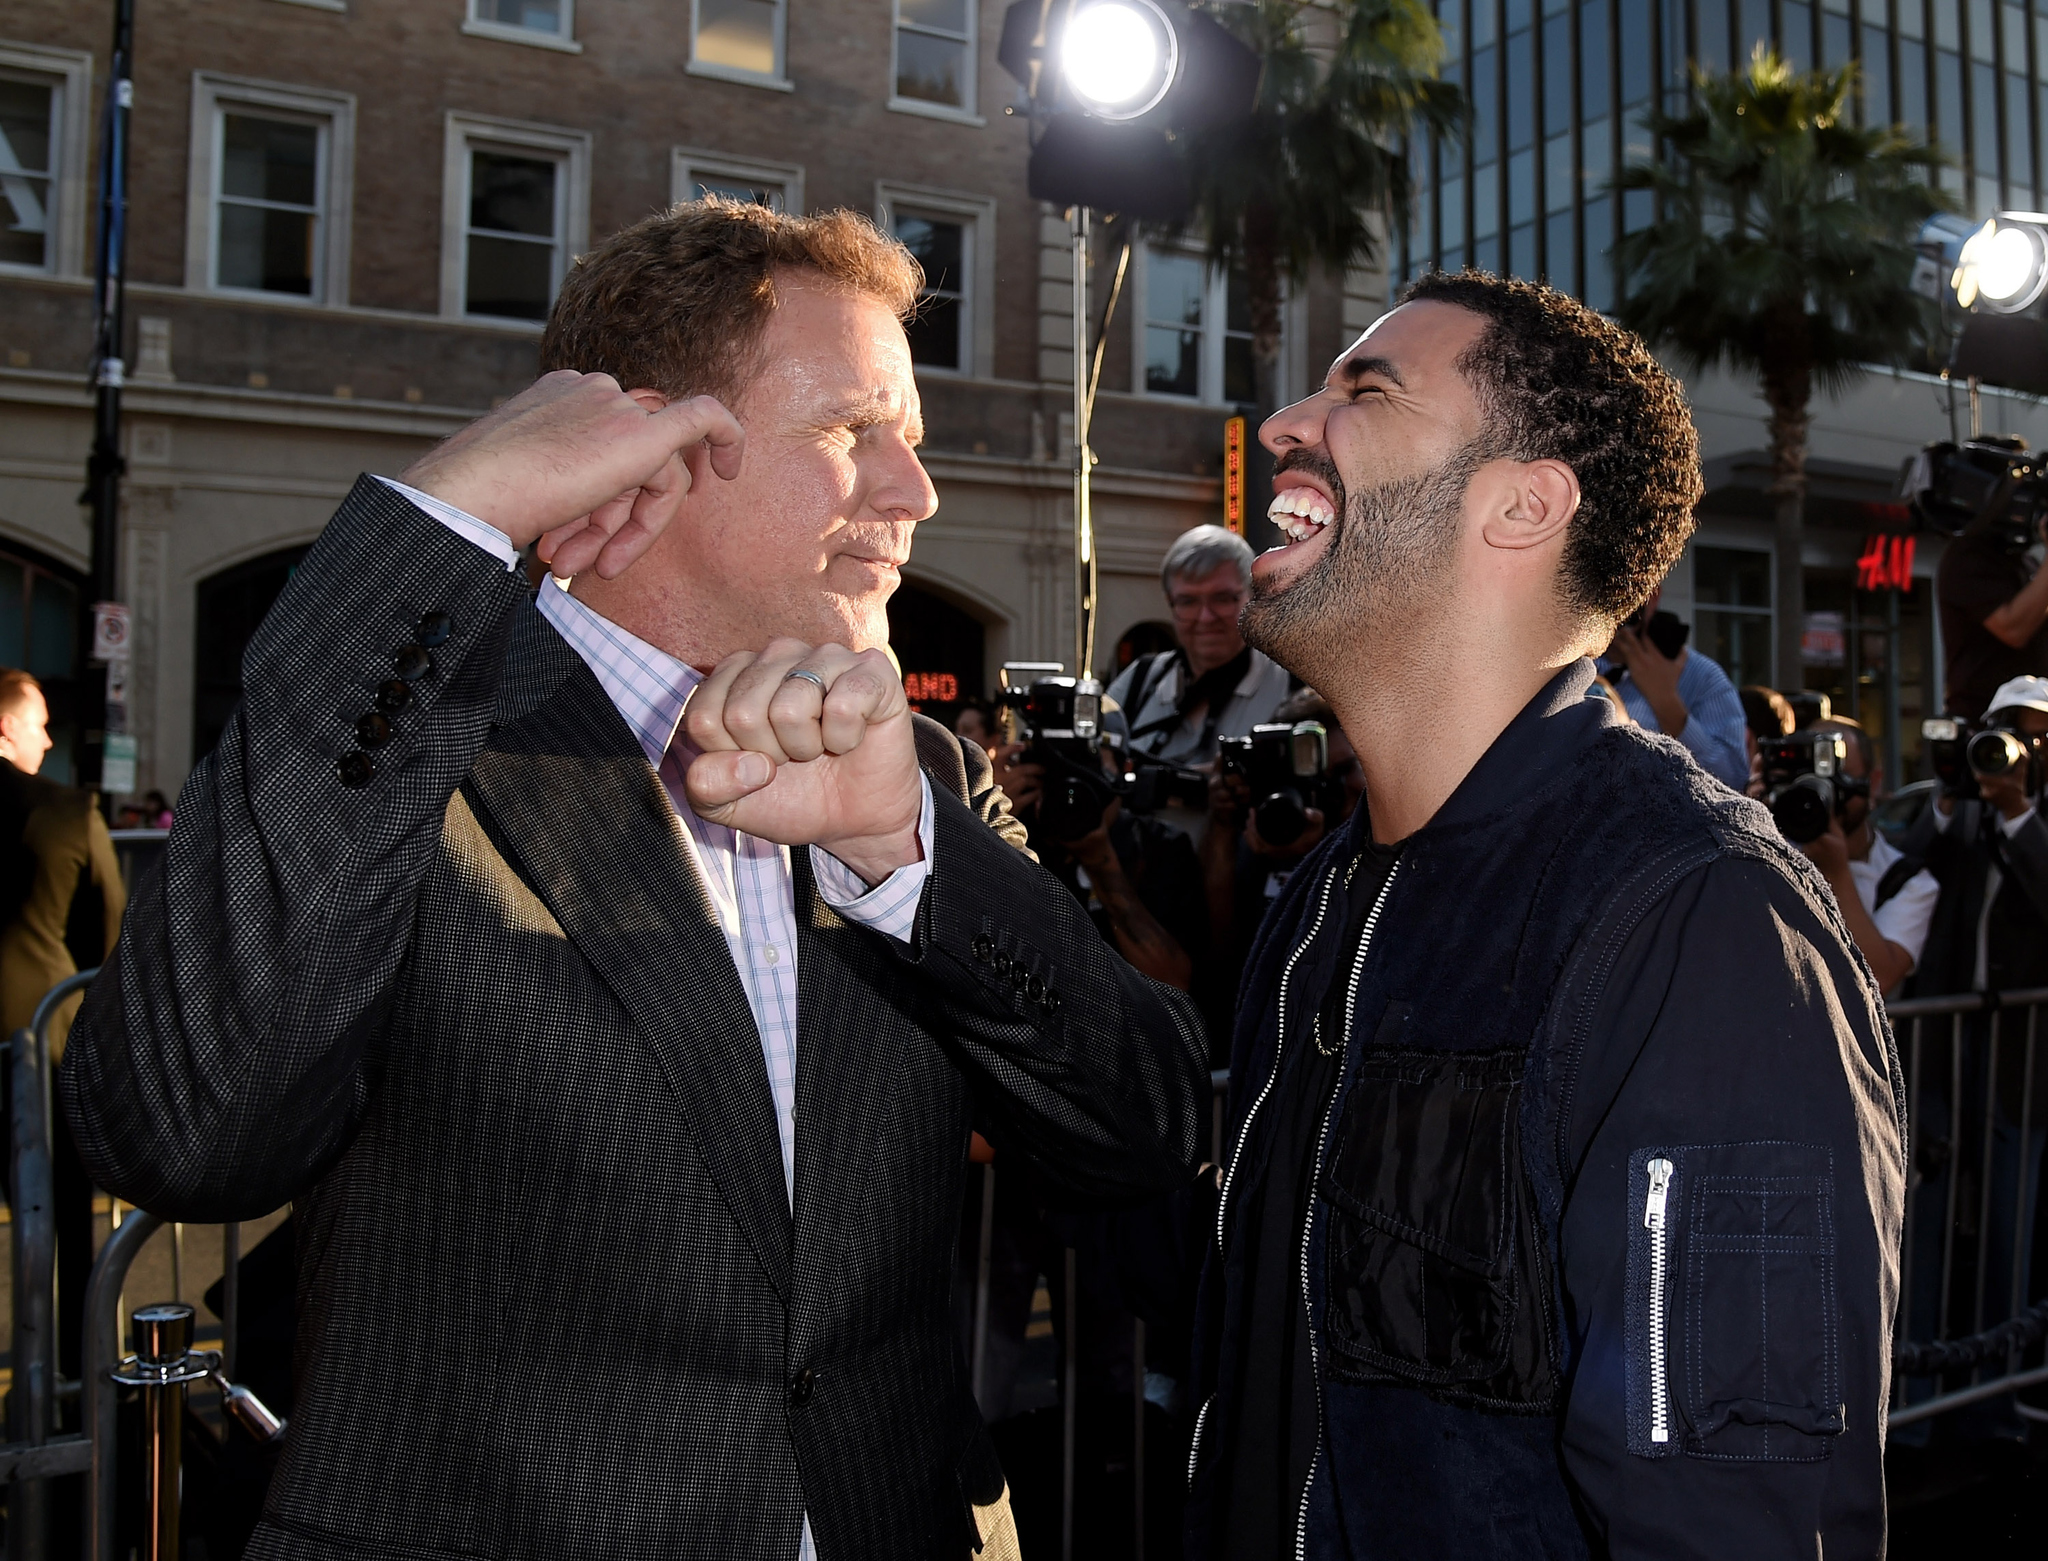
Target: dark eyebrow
{"type": "Point", "coordinates": [1355, 369]}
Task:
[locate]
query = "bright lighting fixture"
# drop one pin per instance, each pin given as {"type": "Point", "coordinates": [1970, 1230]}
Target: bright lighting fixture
{"type": "Point", "coordinates": [1119, 57]}
{"type": "Point", "coordinates": [2004, 266]}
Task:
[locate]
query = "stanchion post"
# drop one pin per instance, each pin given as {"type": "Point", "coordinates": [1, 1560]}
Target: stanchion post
{"type": "Point", "coordinates": [102, 1393]}
{"type": "Point", "coordinates": [34, 1262]}
{"type": "Point", "coordinates": [978, 1373]}
{"type": "Point", "coordinates": [163, 1365]}
{"type": "Point", "coordinates": [230, 1294]}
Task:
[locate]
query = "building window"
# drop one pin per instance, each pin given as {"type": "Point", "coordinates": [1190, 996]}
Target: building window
{"type": "Point", "coordinates": [1196, 335]}
{"type": "Point", "coordinates": [270, 177]}
{"type": "Point", "coordinates": [739, 40]}
{"type": "Point", "coordinates": [38, 633]}
{"type": "Point", "coordinates": [1731, 594]}
{"type": "Point", "coordinates": [45, 97]}
{"type": "Point", "coordinates": [515, 210]}
{"type": "Point", "coordinates": [267, 195]}
{"type": "Point", "coordinates": [28, 154]}
{"type": "Point", "coordinates": [938, 331]}
{"type": "Point", "coordinates": [551, 24]}
{"type": "Point", "coordinates": [695, 173]}
{"type": "Point", "coordinates": [935, 57]}
{"type": "Point", "coordinates": [952, 234]}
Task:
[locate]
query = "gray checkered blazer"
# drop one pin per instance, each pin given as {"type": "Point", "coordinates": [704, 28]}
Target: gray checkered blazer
{"type": "Point", "coordinates": [473, 1017]}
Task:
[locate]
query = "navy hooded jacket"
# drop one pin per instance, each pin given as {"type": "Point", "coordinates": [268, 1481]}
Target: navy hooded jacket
{"type": "Point", "coordinates": [1602, 1250]}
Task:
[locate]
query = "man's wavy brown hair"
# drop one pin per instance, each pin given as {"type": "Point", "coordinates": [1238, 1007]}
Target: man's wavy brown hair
{"type": "Point", "coordinates": [679, 301]}
{"type": "Point", "coordinates": [1558, 381]}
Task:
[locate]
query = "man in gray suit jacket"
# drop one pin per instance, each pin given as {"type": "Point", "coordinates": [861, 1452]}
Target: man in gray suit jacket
{"type": "Point", "coordinates": [621, 1076]}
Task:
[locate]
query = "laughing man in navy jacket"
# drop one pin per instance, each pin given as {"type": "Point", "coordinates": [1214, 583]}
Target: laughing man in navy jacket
{"type": "Point", "coordinates": [1563, 1196]}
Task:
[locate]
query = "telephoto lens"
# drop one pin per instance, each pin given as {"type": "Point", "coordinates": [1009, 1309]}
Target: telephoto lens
{"type": "Point", "coordinates": [1803, 809]}
{"type": "Point", "coordinates": [1996, 752]}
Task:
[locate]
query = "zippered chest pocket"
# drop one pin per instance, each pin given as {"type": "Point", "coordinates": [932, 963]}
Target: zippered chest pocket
{"type": "Point", "coordinates": [1732, 1317]}
{"type": "Point", "coordinates": [1435, 1269]}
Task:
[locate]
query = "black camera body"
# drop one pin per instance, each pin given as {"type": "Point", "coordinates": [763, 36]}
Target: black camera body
{"type": "Point", "coordinates": [1059, 719]}
{"type": "Point", "coordinates": [1962, 750]}
{"type": "Point", "coordinates": [1991, 485]}
{"type": "Point", "coordinates": [1806, 782]}
{"type": "Point", "coordinates": [1287, 768]}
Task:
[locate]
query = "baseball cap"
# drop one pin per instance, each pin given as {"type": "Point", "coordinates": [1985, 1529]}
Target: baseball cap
{"type": "Point", "coordinates": [2022, 693]}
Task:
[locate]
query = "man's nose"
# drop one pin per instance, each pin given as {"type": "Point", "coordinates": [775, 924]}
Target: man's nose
{"type": "Point", "coordinates": [904, 491]}
{"type": "Point", "coordinates": [1293, 427]}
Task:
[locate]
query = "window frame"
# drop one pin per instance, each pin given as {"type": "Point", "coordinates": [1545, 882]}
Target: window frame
{"type": "Point", "coordinates": [68, 74]}
{"type": "Point", "coordinates": [213, 96]}
{"type": "Point", "coordinates": [1215, 327]}
{"type": "Point", "coordinates": [562, 39]}
{"type": "Point", "coordinates": [1767, 614]}
{"type": "Point", "coordinates": [465, 133]}
{"type": "Point", "coordinates": [686, 162]}
{"type": "Point", "coordinates": [977, 214]}
{"type": "Point", "coordinates": [964, 114]}
{"type": "Point", "coordinates": [777, 82]}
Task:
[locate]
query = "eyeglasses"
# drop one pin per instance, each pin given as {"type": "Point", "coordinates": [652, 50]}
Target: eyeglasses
{"type": "Point", "coordinates": [1219, 604]}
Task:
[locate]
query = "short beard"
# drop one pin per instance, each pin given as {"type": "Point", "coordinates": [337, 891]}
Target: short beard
{"type": "Point", "coordinates": [1391, 554]}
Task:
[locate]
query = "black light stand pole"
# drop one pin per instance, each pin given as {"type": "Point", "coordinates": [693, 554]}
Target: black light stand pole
{"type": "Point", "coordinates": [105, 467]}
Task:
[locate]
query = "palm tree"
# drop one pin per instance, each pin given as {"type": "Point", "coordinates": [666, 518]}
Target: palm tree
{"type": "Point", "coordinates": [1307, 179]}
{"type": "Point", "coordinates": [1783, 248]}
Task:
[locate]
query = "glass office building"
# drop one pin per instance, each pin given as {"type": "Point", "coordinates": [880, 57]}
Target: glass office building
{"type": "Point", "coordinates": [1559, 88]}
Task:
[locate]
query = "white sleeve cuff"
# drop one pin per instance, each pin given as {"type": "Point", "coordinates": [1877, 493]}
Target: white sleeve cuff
{"type": "Point", "coordinates": [891, 906]}
{"type": "Point", "coordinates": [1940, 818]}
{"type": "Point", "coordinates": [467, 526]}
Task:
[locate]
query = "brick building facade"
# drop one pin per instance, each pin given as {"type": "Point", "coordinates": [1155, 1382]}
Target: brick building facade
{"type": "Point", "coordinates": [348, 217]}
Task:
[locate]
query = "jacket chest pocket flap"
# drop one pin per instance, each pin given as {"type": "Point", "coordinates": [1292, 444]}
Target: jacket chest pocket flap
{"type": "Point", "coordinates": [1434, 1267]}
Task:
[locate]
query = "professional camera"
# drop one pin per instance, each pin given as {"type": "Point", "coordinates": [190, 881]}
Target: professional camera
{"type": "Point", "coordinates": [1806, 782]}
{"type": "Point", "coordinates": [1960, 752]}
{"type": "Point", "coordinates": [1986, 485]}
{"type": "Point", "coordinates": [1663, 629]}
{"type": "Point", "coordinates": [1288, 771]}
{"type": "Point", "coordinates": [1060, 721]}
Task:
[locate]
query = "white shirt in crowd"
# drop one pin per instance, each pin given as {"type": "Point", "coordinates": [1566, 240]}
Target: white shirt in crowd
{"type": "Point", "coordinates": [1906, 916]}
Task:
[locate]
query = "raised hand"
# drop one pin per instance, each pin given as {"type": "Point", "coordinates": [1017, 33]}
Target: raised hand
{"type": "Point", "coordinates": [591, 472]}
{"type": "Point", "coordinates": [829, 763]}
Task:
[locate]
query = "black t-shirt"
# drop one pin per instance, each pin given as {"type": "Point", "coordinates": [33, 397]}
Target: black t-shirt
{"type": "Point", "coordinates": [1277, 1427]}
{"type": "Point", "coordinates": [1978, 576]}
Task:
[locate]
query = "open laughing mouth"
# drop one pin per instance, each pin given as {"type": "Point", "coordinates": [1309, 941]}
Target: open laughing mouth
{"type": "Point", "coordinates": [1300, 510]}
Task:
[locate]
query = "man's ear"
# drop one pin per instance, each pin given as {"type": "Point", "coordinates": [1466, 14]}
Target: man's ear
{"type": "Point", "coordinates": [1543, 496]}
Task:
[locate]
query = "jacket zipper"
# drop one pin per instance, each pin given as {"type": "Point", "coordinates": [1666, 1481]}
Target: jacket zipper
{"type": "Point", "coordinates": [1653, 1218]}
{"type": "Point", "coordinates": [1279, 1045]}
{"type": "Point", "coordinates": [1308, 1225]}
{"type": "Point", "coordinates": [1195, 1451]}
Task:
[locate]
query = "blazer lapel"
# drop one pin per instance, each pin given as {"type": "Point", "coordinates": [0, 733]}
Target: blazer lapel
{"type": "Point", "coordinates": [566, 793]}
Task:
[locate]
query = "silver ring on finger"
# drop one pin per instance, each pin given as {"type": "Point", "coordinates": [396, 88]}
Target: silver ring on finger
{"type": "Point", "coordinates": [808, 676]}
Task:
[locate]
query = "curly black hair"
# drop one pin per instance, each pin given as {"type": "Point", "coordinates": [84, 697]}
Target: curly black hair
{"type": "Point", "coordinates": [1559, 381]}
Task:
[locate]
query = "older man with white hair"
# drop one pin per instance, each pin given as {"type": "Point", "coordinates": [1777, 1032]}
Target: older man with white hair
{"type": "Point", "coordinates": [1212, 684]}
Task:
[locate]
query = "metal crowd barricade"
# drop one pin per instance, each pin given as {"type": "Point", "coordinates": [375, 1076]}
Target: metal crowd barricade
{"type": "Point", "coordinates": [1977, 1123]}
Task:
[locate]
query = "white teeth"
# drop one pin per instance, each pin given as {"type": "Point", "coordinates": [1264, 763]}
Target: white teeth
{"type": "Point", "coordinates": [1299, 512]}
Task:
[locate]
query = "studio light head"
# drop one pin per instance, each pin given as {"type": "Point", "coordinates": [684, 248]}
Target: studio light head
{"type": "Point", "coordinates": [1111, 83]}
{"type": "Point", "coordinates": [2002, 267]}
{"type": "Point", "coordinates": [1995, 274]}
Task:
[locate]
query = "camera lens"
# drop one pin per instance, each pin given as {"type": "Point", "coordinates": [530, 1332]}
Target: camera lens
{"type": "Point", "coordinates": [1996, 753]}
{"type": "Point", "coordinates": [1280, 818]}
{"type": "Point", "coordinates": [1803, 809]}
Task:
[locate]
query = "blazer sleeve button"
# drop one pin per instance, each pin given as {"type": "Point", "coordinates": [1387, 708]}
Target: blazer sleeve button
{"type": "Point", "coordinates": [393, 696]}
{"type": "Point", "coordinates": [373, 730]}
{"type": "Point", "coordinates": [411, 663]}
{"type": "Point", "coordinates": [800, 1388]}
{"type": "Point", "coordinates": [357, 770]}
{"type": "Point", "coordinates": [1034, 988]}
{"type": "Point", "coordinates": [983, 947]}
{"type": "Point", "coordinates": [434, 628]}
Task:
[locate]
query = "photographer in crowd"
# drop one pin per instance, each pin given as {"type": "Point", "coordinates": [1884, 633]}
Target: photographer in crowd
{"type": "Point", "coordinates": [1176, 704]}
{"type": "Point", "coordinates": [1993, 598]}
{"type": "Point", "coordinates": [1669, 687]}
{"type": "Point", "coordinates": [1243, 872]}
{"type": "Point", "coordinates": [1887, 898]}
{"type": "Point", "coordinates": [1990, 853]}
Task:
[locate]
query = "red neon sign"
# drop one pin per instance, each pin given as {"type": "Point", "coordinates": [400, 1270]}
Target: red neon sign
{"type": "Point", "coordinates": [1233, 474]}
{"type": "Point", "coordinates": [939, 687]}
{"type": "Point", "coordinates": [1885, 564]}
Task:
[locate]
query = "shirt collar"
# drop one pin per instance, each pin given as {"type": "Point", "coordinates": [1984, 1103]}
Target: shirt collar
{"type": "Point", "coordinates": [1546, 736]}
{"type": "Point", "coordinates": [648, 686]}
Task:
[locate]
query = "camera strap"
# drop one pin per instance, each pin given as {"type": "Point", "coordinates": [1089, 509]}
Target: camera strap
{"type": "Point", "coordinates": [1895, 878]}
{"type": "Point", "coordinates": [1213, 688]}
